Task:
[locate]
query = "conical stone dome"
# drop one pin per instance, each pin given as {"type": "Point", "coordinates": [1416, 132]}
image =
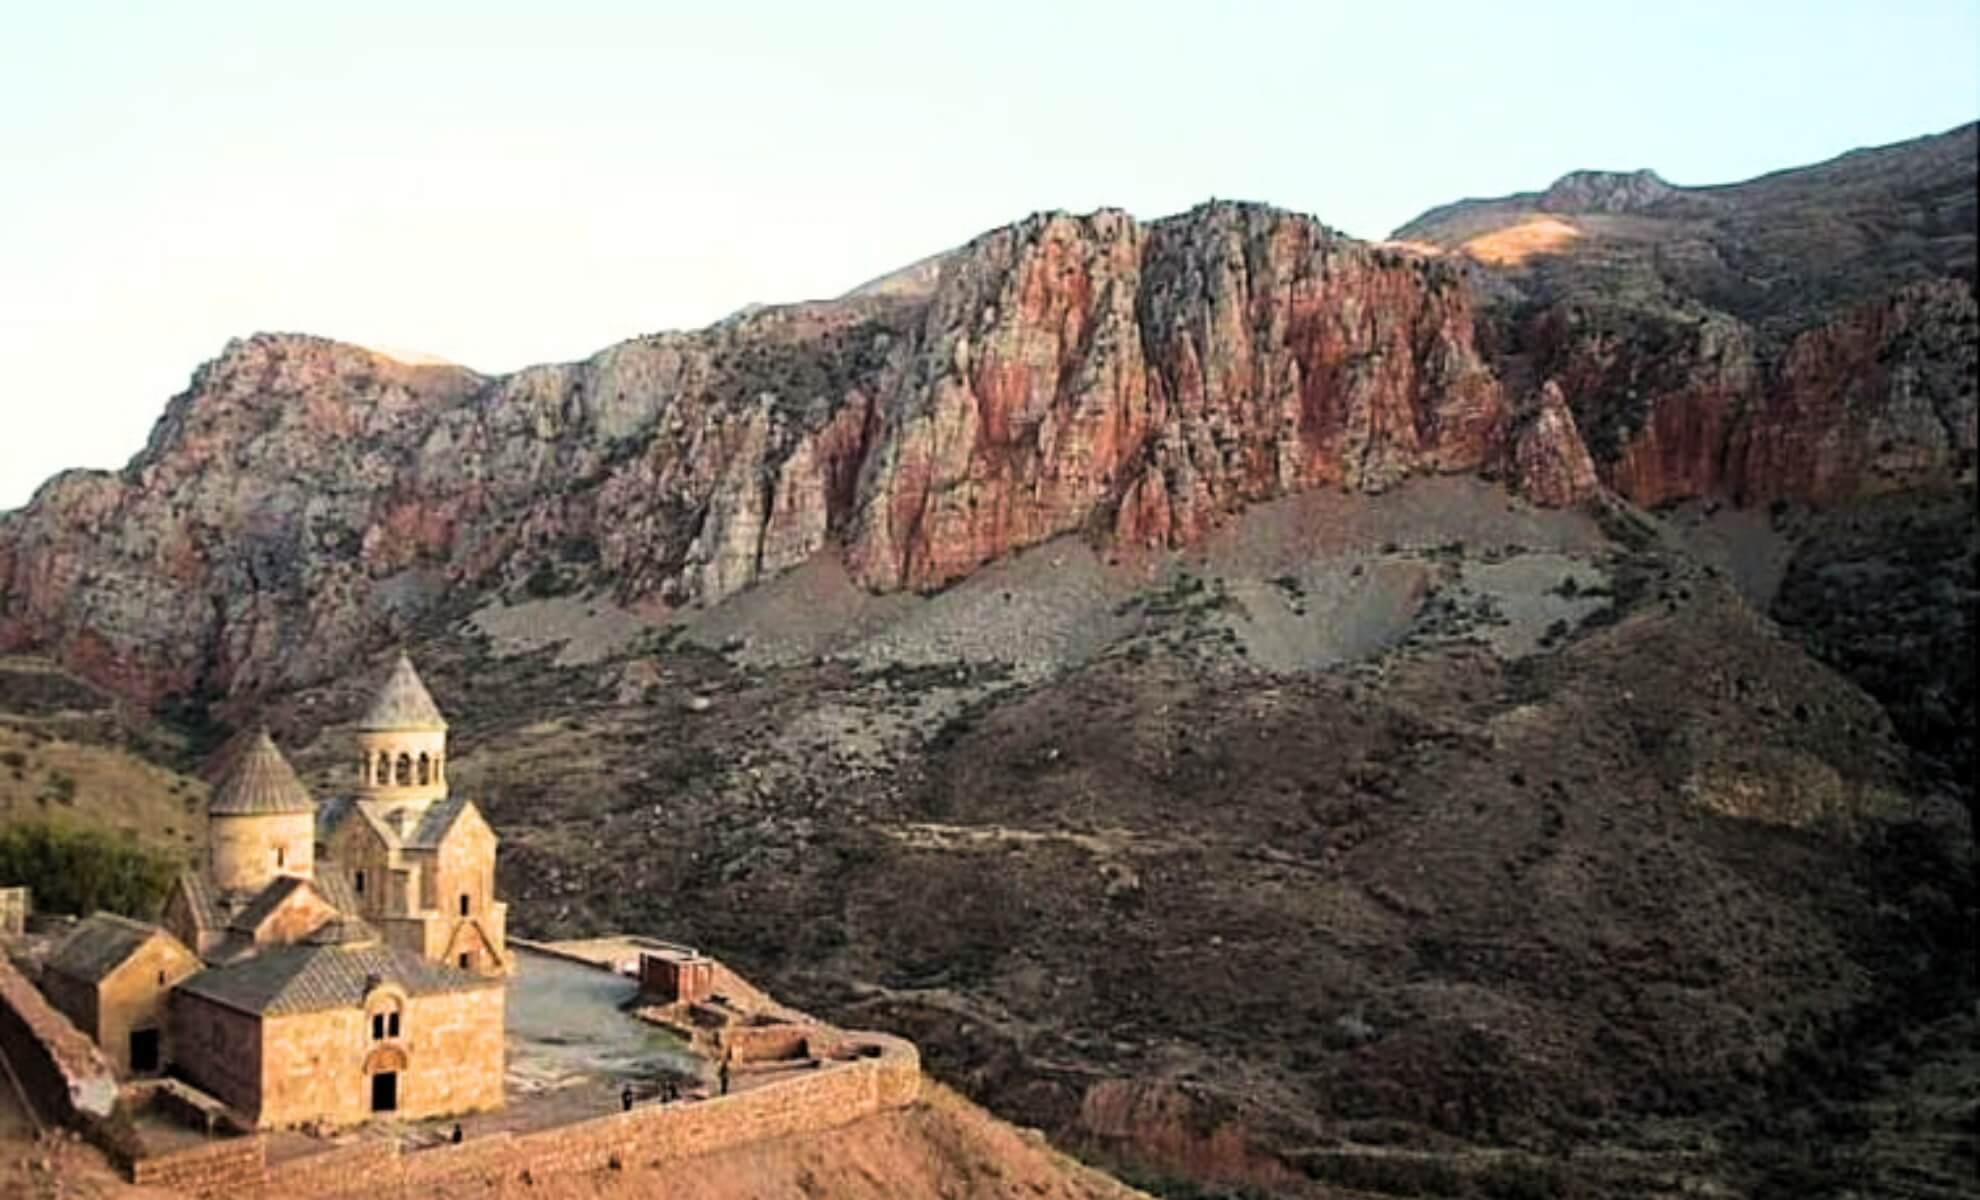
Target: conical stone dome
{"type": "Point", "coordinates": [260, 782]}
{"type": "Point", "coordinates": [403, 703]}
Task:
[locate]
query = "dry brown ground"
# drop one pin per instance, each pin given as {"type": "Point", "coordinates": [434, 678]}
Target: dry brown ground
{"type": "Point", "coordinates": [943, 1146]}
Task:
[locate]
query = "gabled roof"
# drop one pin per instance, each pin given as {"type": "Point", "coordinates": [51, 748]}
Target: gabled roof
{"type": "Point", "coordinates": [266, 901]}
{"type": "Point", "coordinates": [260, 782]}
{"type": "Point", "coordinates": [208, 910]}
{"type": "Point", "coordinates": [403, 703]}
{"type": "Point", "coordinates": [335, 886]}
{"type": "Point", "coordinates": [435, 822]}
{"type": "Point", "coordinates": [100, 945]}
{"type": "Point", "coordinates": [311, 978]}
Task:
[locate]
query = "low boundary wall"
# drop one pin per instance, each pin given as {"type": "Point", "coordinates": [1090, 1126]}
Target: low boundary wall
{"type": "Point", "coordinates": [836, 1093]}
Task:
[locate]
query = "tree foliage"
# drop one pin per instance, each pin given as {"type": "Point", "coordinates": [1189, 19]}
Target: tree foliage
{"type": "Point", "coordinates": [83, 870]}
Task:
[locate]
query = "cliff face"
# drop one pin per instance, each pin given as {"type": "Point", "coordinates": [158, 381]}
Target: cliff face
{"type": "Point", "coordinates": [304, 499]}
{"type": "Point", "coordinates": [1075, 373]}
{"type": "Point", "coordinates": [1809, 335]}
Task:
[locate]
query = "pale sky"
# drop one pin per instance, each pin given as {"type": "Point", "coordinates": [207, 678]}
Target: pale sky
{"type": "Point", "coordinates": [502, 184]}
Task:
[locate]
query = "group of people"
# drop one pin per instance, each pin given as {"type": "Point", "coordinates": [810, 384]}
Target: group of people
{"type": "Point", "coordinates": [670, 1090]}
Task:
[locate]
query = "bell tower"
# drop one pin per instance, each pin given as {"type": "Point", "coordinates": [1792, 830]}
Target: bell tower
{"type": "Point", "coordinates": [402, 745]}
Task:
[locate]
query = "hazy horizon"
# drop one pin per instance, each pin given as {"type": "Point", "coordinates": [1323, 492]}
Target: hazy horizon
{"type": "Point", "coordinates": [498, 186]}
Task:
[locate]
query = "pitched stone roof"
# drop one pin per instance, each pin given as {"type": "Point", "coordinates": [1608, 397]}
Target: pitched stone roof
{"type": "Point", "coordinates": [208, 910]}
{"type": "Point", "coordinates": [343, 931]}
{"type": "Point", "coordinates": [311, 978]}
{"type": "Point", "coordinates": [434, 823]}
{"type": "Point", "coordinates": [260, 782]}
{"type": "Point", "coordinates": [99, 946]}
{"type": "Point", "coordinates": [266, 901]}
{"type": "Point", "coordinates": [330, 814]}
{"type": "Point", "coordinates": [335, 886]}
{"type": "Point", "coordinates": [403, 703]}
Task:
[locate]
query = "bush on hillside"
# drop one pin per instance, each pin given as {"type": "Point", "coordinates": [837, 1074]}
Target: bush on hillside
{"type": "Point", "coordinates": [83, 870]}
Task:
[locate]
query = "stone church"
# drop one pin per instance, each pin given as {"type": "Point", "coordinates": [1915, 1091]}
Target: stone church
{"type": "Point", "coordinates": [325, 963]}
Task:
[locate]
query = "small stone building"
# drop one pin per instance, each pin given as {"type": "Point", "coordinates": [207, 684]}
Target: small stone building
{"type": "Point", "coordinates": [676, 977]}
{"type": "Point", "coordinates": [341, 1027]}
{"type": "Point", "coordinates": [111, 976]}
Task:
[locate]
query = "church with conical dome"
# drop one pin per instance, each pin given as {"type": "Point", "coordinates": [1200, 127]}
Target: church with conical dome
{"type": "Point", "coordinates": [323, 963]}
{"type": "Point", "coordinates": [421, 863]}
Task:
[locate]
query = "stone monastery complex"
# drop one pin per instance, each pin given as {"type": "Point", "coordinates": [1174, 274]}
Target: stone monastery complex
{"type": "Point", "coordinates": [328, 962]}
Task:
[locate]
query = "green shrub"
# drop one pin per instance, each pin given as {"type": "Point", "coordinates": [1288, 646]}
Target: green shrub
{"type": "Point", "coordinates": [83, 870]}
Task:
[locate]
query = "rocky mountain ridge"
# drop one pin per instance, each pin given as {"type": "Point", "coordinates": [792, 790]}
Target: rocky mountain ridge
{"type": "Point", "coordinates": [304, 500]}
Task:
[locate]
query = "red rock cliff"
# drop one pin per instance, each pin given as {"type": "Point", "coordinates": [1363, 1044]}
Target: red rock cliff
{"type": "Point", "coordinates": [304, 500]}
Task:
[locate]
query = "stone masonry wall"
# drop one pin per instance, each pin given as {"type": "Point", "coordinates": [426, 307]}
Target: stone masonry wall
{"type": "Point", "coordinates": [218, 1049]}
{"type": "Point", "coordinates": [64, 1074]}
{"type": "Point", "coordinates": [135, 995]}
{"type": "Point", "coordinates": [315, 1064]}
{"type": "Point", "coordinates": [834, 1095]}
{"type": "Point", "coordinates": [226, 1167]}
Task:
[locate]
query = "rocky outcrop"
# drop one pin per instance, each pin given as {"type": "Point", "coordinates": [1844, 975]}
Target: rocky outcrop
{"type": "Point", "coordinates": [1550, 462]}
{"type": "Point", "coordinates": [1808, 335]}
{"type": "Point", "coordinates": [1881, 399]}
{"type": "Point", "coordinates": [1074, 371]}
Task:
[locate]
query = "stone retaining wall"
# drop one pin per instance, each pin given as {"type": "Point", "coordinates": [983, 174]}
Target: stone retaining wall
{"type": "Point", "coordinates": [226, 1167]}
{"type": "Point", "coordinates": [66, 1077]}
{"type": "Point", "coordinates": [811, 1102]}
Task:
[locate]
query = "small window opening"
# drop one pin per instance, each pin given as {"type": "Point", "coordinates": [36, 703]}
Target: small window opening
{"type": "Point", "coordinates": [403, 775]}
{"type": "Point", "coordinates": [464, 904]}
{"type": "Point", "coordinates": [357, 883]}
{"type": "Point", "coordinates": [425, 770]}
{"type": "Point", "coordinates": [466, 961]}
{"type": "Point", "coordinates": [281, 856]}
{"type": "Point", "coordinates": [377, 1026]}
{"type": "Point", "coordinates": [392, 1024]}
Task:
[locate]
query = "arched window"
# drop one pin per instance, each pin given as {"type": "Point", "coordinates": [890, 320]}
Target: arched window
{"type": "Point", "coordinates": [425, 769]}
{"type": "Point", "coordinates": [385, 1019]}
{"type": "Point", "coordinates": [281, 857]}
{"type": "Point", "coordinates": [357, 882]}
{"type": "Point", "coordinates": [384, 770]}
{"type": "Point", "coordinates": [405, 770]}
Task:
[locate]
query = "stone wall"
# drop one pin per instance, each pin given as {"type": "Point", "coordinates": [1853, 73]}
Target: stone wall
{"type": "Point", "coordinates": [836, 1094]}
{"type": "Point", "coordinates": [134, 997]}
{"type": "Point", "coordinates": [248, 852]}
{"type": "Point", "coordinates": [14, 903]}
{"type": "Point", "coordinates": [224, 1167]}
{"type": "Point", "coordinates": [65, 1075]}
{"type": "Point", "coordinates": [217, 1048]}
{"type": "Point", "coordinates": [449, 1058]}
{"type": "Point", "coordinates": [773, 1043]}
